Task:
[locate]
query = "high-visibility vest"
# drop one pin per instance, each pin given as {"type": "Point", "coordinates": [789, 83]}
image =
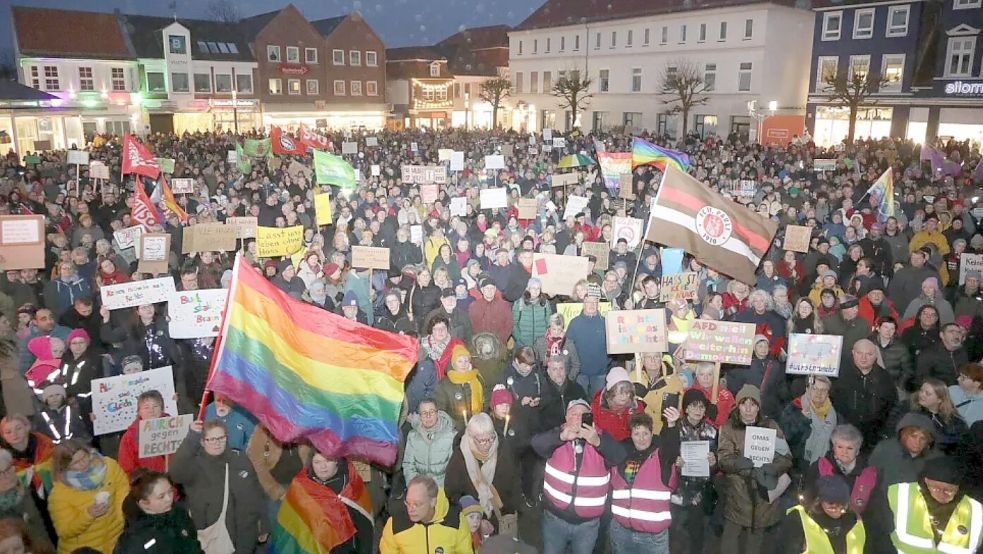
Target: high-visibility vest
{"type": "Point", "coordinates": [817, 541]}
{"type": "Point", "coordinates": [584, 489]}
{"type": "Point", "coordinates": [643, 506]}
{"type": "Point", "coordinates": [913, 523]}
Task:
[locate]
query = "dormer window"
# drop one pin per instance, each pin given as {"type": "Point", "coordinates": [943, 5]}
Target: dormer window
{"type": "Point", "coordinates": [435, 69]}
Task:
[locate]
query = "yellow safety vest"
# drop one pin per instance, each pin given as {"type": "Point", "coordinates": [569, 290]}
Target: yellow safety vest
{"type": "Point", "coordinates": [913, 523]}
{"type": "Point", "coordinates": [817, 541]}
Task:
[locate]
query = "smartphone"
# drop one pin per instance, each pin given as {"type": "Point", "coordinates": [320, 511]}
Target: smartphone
{"type": "Point", "coordinates": [670, 399]}
{"type": "Point", "coordinates": [587, 419]}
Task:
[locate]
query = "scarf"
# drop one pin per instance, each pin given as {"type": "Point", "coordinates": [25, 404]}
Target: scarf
{"type": "Point", "coordinates": [89, 479]}
{"type": "Point", "coordinates": [471, 378]}
{"type": "Point", "coordinates": [482, 477]}
{"type": "Point", "coordinates": [554, 344]}
{"type": "Point", "coordinates": [438, 352]}
{"type": "Point", "coordinates": [10, 500]}
{"type": "Point", "coordinates": [822, 409]}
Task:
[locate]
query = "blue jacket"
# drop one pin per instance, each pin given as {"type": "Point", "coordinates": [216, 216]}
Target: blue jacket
{"type": "Point", "coordinates": [588, 336]}
{"type": "Point", "coordinates": [59, 295]}
{"type": "Point", "coordinates": [239, 424]}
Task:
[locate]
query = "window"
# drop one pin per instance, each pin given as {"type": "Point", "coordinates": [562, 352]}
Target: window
{"type": "Point", "coordinates": [223, 47]}
{"type": "Point", "coordinates": [155, 82]}
{"type": "Point", "coordinates": [665, 35]}
{"type": "Point", "coordinates": [832, 24]}
{"type": "Point", "coordinates": [310, 55]}
{"type": "Point", "coordinates": [371, 58]}
{"type": "Point", "coordinates": [223, 82]}
{"type": "Point", "coordinates": [670, 77]}
{"type": "Point", "coordinates": [35, 77]}
{"type": "Point", "coordinates": [276, 86]}
{"type": "Point", "coordinates": [863, 23]}
{"type": "Point", "coordinates": [892, 70]}
{"type": "Point", "coordinates": [179, 82]}
{"type": "Point", "coordinates": [86, 82]}
{"type": "Point", "coordinates": [645, 36]}
{"type": "Point", "coordinates": [897, 20]}
{"type": "Point", "coordinates": [825, 71]}
{"type": "Point", "coordinates": [703, 32]}
{"type": "Point", "coordinates": [597, 41]}
{"type": "Point", "coordinates": [548, 43]}
{"type": "Point", "coordinates": [117, 77]}
{"type": "Point", "coordinates": [535, 46]}
{"type": "Point", "coordinates": [293, 54]}
{"type": "Point", "coordinates": [177, 44]}
{"type": "Point", "coordinates": [356, 88]}
{"type": "Point", "coordinates": [355, 57]}
{"type": "Point", "coordinates": [293, 86]}
{"type": "Point", "coordinates": [563, 43]}
{"type": "Point", "coordinates": [966, 4]}
{"type": "Point", "coordinates": [457, 90]}
{"type": "Point", "coordinates": [244, 83]}
{"type": "Point", "coordinates": [959, 56]}
{"type": "Point", "coordinates": [576, 43]}
{"type": "Point", "coordinates": [744, 77]}
{"type": "Point", "coordinates": [435, 69]}
{"type": "Point", "coordinates": [203, 82]}
{"type": "Point", "coordinates": [629, 39]}
{"type": "Point", "coordinates": [632, 120]}
{"type": "Point", "coordinates": [710, 76]}
{"type": "Point", "coordinates": [213, 47]}
{"type": "Point", "coordinates": [603, 82]}
{"type": "Point", "coordinates": [723, 31]}
{"type": "Point", "coordinates": [547, 81]}
{"type": "Point", "coordinates": [518, 82]}
{"type": "Point", "coordinates": [313, 89]}
{"type": "Point", "coordinates": [682, 34]}
{"type": "Point", "coordinates": [859, 67]}
{"type": "Point", "coordinates": [748, 29]}
{"type": "Point", "coordinates": [520, 47]}
{"type": "Point", "coordinates": [338, 57]}
{"type": "Point", "coordinates": [665, 124]}
{"type": "Point", "coordinates": [233, 49]}
{"type": "Point", "coordinates": [272, 53]}
{"type": "Point", "coordinates": [614, 39]}
{"type": "Point", "coordinates": [371, 88]}
{"type": "Point", "coordinates": [636, 79]}
{"type": "Point", "coordinates": [202, 47]}
{"type": "Point", "coordinates": [339, 88]}
{"type": "Point", "coordinates": [533, 82]}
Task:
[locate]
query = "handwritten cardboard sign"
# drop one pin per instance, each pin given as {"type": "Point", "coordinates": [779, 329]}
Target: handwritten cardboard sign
{"type": "Point", "coordinates": [559, 274]}
{"type": "Point", "coordinates": [681, 286]}
{"type": "Point", "coordinates": [372, 141]}
{"type": "Point", "coordinates": [630, 331]}
{"type": "Point", "coordinates": [495, 161]}
{"type": "Point", "coordinates": [98, 170]}
{"type": "Point", "coordinates": [370, 257]}
{"type": "Point", "coordinates": [78, 157]}
{"type": "Point", "coordinates": [278, 241]}
{"type": "Point", "coordinates": [423, 174]}
{"type": "Point", "coordinates": [21, 242]}
{"type": "Point", "coordinates": [528, 208]}
{"type": "Point", "coordinates": [564, 179]}
{"type": "Point", "coordinates": [208, 237]}
{"type": "Point", "coordinates": [196, 313]}
{"type": "Point", "coordinates": [429, 193]}
{"type": "Point", "coordinates": [628, 228]}
{"type": "Point", "coordinates": [114, 399]}
{"type": "Point", "coordinates": [155, 248]}
{"type": "Point", "coordinates": [183, 186]}
{"type": "Point", "coordinates": [245, 226]}
{"type": "Point", "coordinates": [759, 444]}
{"type": "Point", "coordinates": [163, 436]}
{"type": "Point", "coordinates": [137, 293]}
{"type": "Point", "coordinates": [322, 208]}
{"type": "Point", "coordinates": [626, 187]}
{"type": "Point", "coordinates": [575, 205]}
{"type": "Point", "coordinates": [494, 198]}
{"type": "Point", "coordinates": [459, 206]}
{"type": "Point", "coordinates": [814, 354]}
{"type": "Point", "coordinates": [719, 341]}
{"type": "Point", "coordinates": [797, 238]}
{"type": "Point", "coordinates": [599, 250]}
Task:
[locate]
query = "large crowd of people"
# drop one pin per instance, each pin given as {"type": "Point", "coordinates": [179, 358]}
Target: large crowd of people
{"type": "Point", "coordinates": [520, 432]}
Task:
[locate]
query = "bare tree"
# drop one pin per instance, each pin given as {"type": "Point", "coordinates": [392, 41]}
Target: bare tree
{"type": "Point", "coordinates": [684, 88]}
{"type": "Point", "coordinates": [226, 11]}
{"type": "Point", "coordinates": [495, 91]}
{"type": "Point", "coordinates": [572, 90]}
{"type": "Point", "coordinates": [853, 88]}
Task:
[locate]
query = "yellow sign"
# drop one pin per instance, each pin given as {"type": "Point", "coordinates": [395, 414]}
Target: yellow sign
{"type": "Point", "coordinates": [322, 208]}
{"type": "Point", "coordinates": [276, 241]}
{"type": "Point", "coordinates": [570, 310]}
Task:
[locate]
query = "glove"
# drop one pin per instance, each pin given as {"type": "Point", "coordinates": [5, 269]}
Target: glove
{"type": "Point", "coordinates": [771, 469]}
{"type": "Point", "coordinates": [743, 463]}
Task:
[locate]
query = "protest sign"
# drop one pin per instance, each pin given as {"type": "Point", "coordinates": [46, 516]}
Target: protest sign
{"type": "Point", "coordinates": [457, 161]}
{"type": "Point", "coordinates": [371, 141]}
{"type": "Point", "coordinates": [564, 179]}
{"type": "Point", "coordinates": [744, 188]}
{"type": "Point", "coordinates": [114, 399]}
{"type": "Point", "coordinates": [429, 193]}
{"type": "Point", "coordinates": [370, 257]}
{"type": "Point", "coordinates": [126, 238]}
{"type": "Point", "coordinates": [299, 171]}
{"type": "Point", "coordinates": [570, 310]}
{"type": "Point", "coordinates": [166, 165]}
{"type": "Point", "coordinates": [196, 313]}
{"type": "Point", "coordinates": [98, 170]}
{"type": "Point", "coordinates": [672, 260]}
{"type": "Point", "coordinates": [163, 436]}
{"type": "Point", "coordinates": [135, 293]}
{"type": "Point", "coordinates": [182, 186]}
{"type": "Point", "coordinates": [797, 238]}
{"type": "Point", "coordinates": [696, 460]}
{"type": "Point", "coordinates": [78, 157]}
{"type": "Point", "coordinates": [681, 286]}
{"type": "Point", "coordinates": [349, 148]}
{"type": "Point", "coordinates": [967, 263]}
{"type": "Point", "coordinates": [628, 228]}
{"type": "Point", "coordinates": [155, 248]}
{"type": "Point", "coordinates": [208, 237]}
{"type": "Point", "coordinates": [559, 142]}
{"type": "Point", "coordinates": [599, 250]}
{"type": "Point", "coordinates": [630, 331]}
{"type": "Point", "coordinates": [459, 206]}
{"type": "Point", "coordinates": [423, 174]}
{"type": "Point", "coordinates": [719, 341]}
{"type": "Point", "coordinates": [414, 147]}
{"type": "Point", "coordinates": [557, 273]}
{"type": "Point", "coordinates": [376, 170]}
{"type": "Point", "coordinates": [232, 157]}
{"type": "Point", "coordinates": [493, 199]}
{"type": "Point", "coordinates": [528, 208]}
{"type": "Point", "coordinates": [245, 226]}
{"type": "Point", "coordinates": [495, 161]}
{"type": "Point", "coordinates": [814, 354]}
{"type": "Point", "coordinates": [626, 187]}
{"type": "Point", "coordinates": [322, 208]}
{"type": "Point", "coordinates": [547, 134]}
{"type": "Point", "coordinates": [444, 154]}
{"type": "Point", "coordinates": [759, 444]}
{"type": "Point", "coordinates": [507, 150]}
{"type": "Point", "coordinates": [416, 234]}
{"type": "Point", "coordinates": [33, 159]}
{"type": "Point", "coordinates": [278, 241]}
{"type": "Point", "coordinates": [21, 242]}
{"type": "Point", "coordinates": [533, 150]}
{"type": "Point", "coordinates": [575, 205]}
{"type": "Point", "coordinates": [824, 164]}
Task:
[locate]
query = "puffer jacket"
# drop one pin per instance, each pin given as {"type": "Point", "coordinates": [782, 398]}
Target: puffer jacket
{"type": "Point", "coordinates": [446, 532]}
{"type": "Point", "coordinates": [965, 303]}
{"type": "Point", "coordinates": [172, 531]}
{"type": "Point", "coordinates": [946, 315]}
{"type": "Point", "coordinates": [428, 451]}
{"type": "Point", "coordinates": [941, 363]}
{"type": "Point", "coordinates": [529, 321]}
{"type": "Point", "coordinates": [897, 359]}
{"type": "Point", "coordinates": [76, 528]}
{"type": "Point", "coordinates": [568, 349]}
{"type": "Point", "coordinates": [489, 356]}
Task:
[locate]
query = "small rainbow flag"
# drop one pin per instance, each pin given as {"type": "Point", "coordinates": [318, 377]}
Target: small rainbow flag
{"type": "Point", "coordinates": [882, 195]}
{"type": "Point", "coordinates": [644, 152]}
{"type": "Point", "coordinates": [308, 374]}
{"type": "Point", "coordinates": [170, 202]}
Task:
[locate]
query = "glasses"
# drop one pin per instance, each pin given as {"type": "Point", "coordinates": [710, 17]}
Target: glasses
{"type": "Point", "coordinates": [429, 413]}
{"type": "Point", "coordinates": [943, 491]}
{"type": "Point", "coordinates": [216, 440]}
{"type": "Point", "coordinates": [484, 441]}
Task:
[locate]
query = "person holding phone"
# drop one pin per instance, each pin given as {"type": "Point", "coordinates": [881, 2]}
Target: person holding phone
{"type": "Point", "coordinates": [657, 384]}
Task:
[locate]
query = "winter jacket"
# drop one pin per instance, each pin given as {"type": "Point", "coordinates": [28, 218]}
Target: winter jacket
{"type": "Point", "coordinates": [967, 304]}
{"type": "Point", "coordinates": [852, 331]}
{"type": "Point", "coordinates": [460, 322]}
{"type": "Point", "coordinates": [489, 356]}
{"type": "Point", "coordinates": [768, 375]}
{"type": "Point", "coordinates": [897, 360]}
{"type": "Point", "coordinates": [614, 423]}
{"type": "Point", "coordinates": [946, 315]}
{"type": "Point", "coordinates": [494, 317]}
{"type": "Point", "coordinates": [421, 383]}
{"type": "Point", "coordinates": [865, 401]}
{"type": "Point", "coordinates": [861, 471]}
{"type": "Point", "coordinates": [448, 532]}
{"type": "Point", "coordinates": [506, 480]}
{"type": "Point", "coordinates": [455, 400]}
{"type": "Point", "coordinates": [60, 295]}
{"type": "Point", "coordinates": [590, 341]}
{"type": "Point", "coordinates": [870, 313]}
{"type": "Point", "coordinates": [941, 363]}
{"type": "Point", "coordinates": [69, 506]}
{"type": "Point", "coordinates": [948, 434]}
{"type": "Point", "coordinates": [652, 393]}
{"type": "Point", "coordinates": [970, 407]}
{"type": "Point", "coordinates": [553, 406]}
{"type": "Point", "coordinates": [807, 434]}
{"type": "Point", "coordinates": [26, 510]}
{"type": "Point", "coordinates": [428, 452]}
{"type": "Point", "coordinates": [165, 533]}
{"type": "Point", "coordinates": [25, 357]}
{"type": "Point", "coordinates": [894, 464]}
{"type": "Point", "coordinates": [423, 300]}
{"type": "Point", "coordinates": [403, 254]}
{"type": "Point", "coordinates": [906, 285]}
{"type": "Point", "coordinates": [516, 279]}
{"type": "Point", "coordinates": [568, 349]}
{"type": "Point", "coordinates": [63, 423]}
{"type": "Point", "coordinates": [129, 452]}
{"type": "Point", "coordinates": [529, 321]}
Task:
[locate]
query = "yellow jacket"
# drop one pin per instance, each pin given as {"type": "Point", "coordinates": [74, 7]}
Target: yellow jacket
{"type": "Point", "coordinates": [817, 291]}
{"type": "Point", "coordinates": [448, 532]}
{"type": "Point", "coordinates": [431, 248]}
{"type": "Point", "coordinates": [924, 237]}
{"type": "Point", "coordinates": [69, 506]}
{"type": "Point", "coordinates": [669, 384]}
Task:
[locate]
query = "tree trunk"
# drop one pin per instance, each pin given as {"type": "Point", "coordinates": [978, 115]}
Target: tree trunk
{"type": "Point", "coordinates": [494, 116]}
{"type": "Point", "coordinates": [853, 124]}
{"type": "Point", "coordinates": [685, 113]}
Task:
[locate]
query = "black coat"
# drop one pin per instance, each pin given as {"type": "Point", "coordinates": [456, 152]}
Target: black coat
{"type": "Point", "coordinates": [457, 483]}
{"type": "Point", "coordinates": [553, 406]}
{"type": "Point", "coordinates": [165, 533]}
{"type": "Point", "coordinates": [865, 401]}
{"type": "Point", "coordinates": [941, 363]}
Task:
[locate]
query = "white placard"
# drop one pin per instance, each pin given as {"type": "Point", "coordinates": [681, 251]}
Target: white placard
{"type": "Point", "coordinates": [559, 142]}
{"type": "Point", "coordinates": [492, 199]}
{"type": "Point", "coordinates": [349, 148]}
{"type": "Point", "coordinates": [457, 161]}
{"type": "Point", "coordinates": [20, 231]}
{"type": "Point", "coordinates": [78, 157]}
{"type": "Point", "coordinates": [136, 293]}
{"type": "Point", "coordinates": [629, 228]}
{"type": "Point", "coordinates": [414, 147]}
{"type": "Point", "coordinates": [114, 399]}
{"type": "Point", "coordinates": [967, 263]}
{"type": "Point", "coordinates": [196, 313]}
{"type": "Point", "coordinates": [153, 248]}
{"type": "Point", "coordinates": [444, 154]}
{"type": "Point", "coordinates": [416, 234]}
{"type": "Point", "coordinates": [459, 206]}
{"type": "Point", "coordinates": [495, 161]}
{"type": "Point", "coordinates": [810, 354]}
{"type": "Point", "coordinates": [695, 454]}
{"type": "Point", "coordinates": [759, 445]}
{"type": "Point", "coordinates": [127, 238]}
{"type": "Point", "coordinates": [547, 134]}
{"type": "Point", "coordinates": [163, 436]}
{"type": "Point", "coordinates": [183, 186]}
{"type": "Point", "coordinates": [232, 157]}
{"type": "Point", "coordinates": [575, 205]}
{"type": "Point", "coordinates": [371, 141]}
{"type": "Point", "coordinates": [376, 170]}
{"type": "Point", "coordinates": [98, 170]}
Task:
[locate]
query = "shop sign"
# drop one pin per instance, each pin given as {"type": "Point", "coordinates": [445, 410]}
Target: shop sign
{"type": "Point", "coordinates": [294, 69]}
{"type": "Point", "coordinates": [964, 88]}
{"type": "Point", "coordinates": [230, 103]}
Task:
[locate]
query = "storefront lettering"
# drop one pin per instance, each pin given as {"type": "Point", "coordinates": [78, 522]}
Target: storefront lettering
{"type": "Point", "coordinates": [963, 88]}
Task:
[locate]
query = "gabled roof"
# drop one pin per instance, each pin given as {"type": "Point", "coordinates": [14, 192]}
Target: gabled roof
{"type": "Point", "coordinates": [413, 53]}
{"type": "Point", "coordinates": [145, 35]}
{"type": "Point", "coordinates": [251, 26]}
{"type": "Point", "coordinates": [478, 38]}
{"type": "Point", "coordinates": [556, 13]}
{"type": "Point", "coordinates": [68, 33]}
{"type": "Point", "coordinates": [327, 26]}
{"type": "Point", "coordinates": [463, 61]}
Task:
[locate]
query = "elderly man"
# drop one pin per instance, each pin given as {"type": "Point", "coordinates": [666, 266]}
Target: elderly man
{"type": "Point", "coordinates": [864, 394]}
{"type": "Point", "coordinates": [943, 360]}
{"type": "Point", "coordinates": [426, 522]}
{"type": "Point", "coordinates": [846, 323]}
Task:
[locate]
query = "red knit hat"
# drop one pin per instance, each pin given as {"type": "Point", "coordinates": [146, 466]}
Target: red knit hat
{"type": "Point", "coordinates": [500, 395]}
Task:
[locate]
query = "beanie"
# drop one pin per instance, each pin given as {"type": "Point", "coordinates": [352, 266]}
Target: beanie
{"type": "Point", "coordinates": [500, 395]}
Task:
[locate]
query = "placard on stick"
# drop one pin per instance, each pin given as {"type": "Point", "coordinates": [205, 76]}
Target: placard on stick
{"type": "Point", "coordinates": [680, 286]}
{"type": "Point", "coordinates": [559, 274]}
{"type": "Point", "coordinates": [599, 250]}
{"type": "Point", "coordinates": [429, 193]}
{"type": "Point", "coordinates": [626, 187]}
{"type": "Point", "coordinates": [163, 436]}
{"type": "Point", "coordinates": [719, 341]}
{"type": "Point", "coordinates": [196, 313]}
{"type": "Point", "coordinates": [277, 241]}
{"type": "Point", "coordinates": [114, 399]}
{"type": "Point", "coordinates": [154, 250]}
{"type": "Point", "coordinates": [21, 242]}
{"type": "Point", "coordinates": [370, 257]}
{"type": "Point", "coordinates": [209, 237]}
{"type": "Point", "coordinates": [528, 208]}
{"type": "Point", "coordinates": [630, 331]}
{"type": "Point", "coordinates": [135, 293]}
{"type": "Point", "coordinates": [245, 226]}
{"type": "Point", "coordinates": [814, 354]}
{"type": "Point", "coordinates": [564, 179]}
{"type": "Point", "coordinates": [797, 238]}
{"type": "Point", "coordinates": [494, 198]}
{"type": "Point", "coordinates": [183, 186]}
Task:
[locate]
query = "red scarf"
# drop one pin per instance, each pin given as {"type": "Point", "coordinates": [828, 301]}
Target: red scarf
{"type": "Point", "coordinates": [553, 343]}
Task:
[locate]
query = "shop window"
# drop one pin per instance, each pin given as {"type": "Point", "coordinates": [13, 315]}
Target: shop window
{"type": "Point", "coordinates": [276, 86]}
{"type": "Point", "coordinates": [244, 84]}
{"type": "Point", "coordinates": [51, 80]}
{"type": "Point", "coordinates": [223, 82]}
{"type": "Point", "coordinates": [897, 20]}
{"type": "Point", "coordinates": [155, 82]}
{"type": "Point", "coordinates": [371, 88]}
{"type": "Point", "coordinates": [832, 25]}
{"type": "Point", "coordinates": [203, 82]}
{"type": "Point", "coordinates": [293, 86]}
{"type": "Point", "coordinates": [118, 79]}
{"type": "Point", "coordinates": [339, 88]}
{"type": "Point", "coordinates": [313, 87]}
{"type": "Point", "coordinates": [371, 58]}
{"type": "Point", "coordinates": [179, 82]}
{"type": "Point", "coordinates": [863, 23]}
{"type": "Point", "coordinates": [86, 81]}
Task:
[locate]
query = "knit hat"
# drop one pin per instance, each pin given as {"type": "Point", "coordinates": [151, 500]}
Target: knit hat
{"type": "Point", "coordinates": [448, 293]}
{"type": "Point", "coordinates": [976, 241]}
{"type": "Point", "coordinates": [833, 489]}
{"type": "Point", "coordinates": [78, 334]}
{"type": "Point", "coordinates": [470, 506]}
{"type": "Point", "coordinates": [849, 301]}
{"type": "Point", "coordinates": [53, 390]}
{"type": "Point", "coordinates": [758, 338]}
{"type": "Point", "coordinates": [500, 395]}
{"type": "Point", "coordinates": [269, 264]}
{"type": "Point", "coordinates": [945, 469]}
{"type": "Point", "coordinates": [458, 351]}
{"type": "Point", "coordinates": [919, 421]}
{"type": "Point", "coordinates": [615, 376]}
{"type": "Point", "coordinates": [931, 281]}
{"type": "Point", "coordinates": [577, 402]}
{"type": "Point", "coordinates": [350, 299]}
{"type": "Point", "coordinates": [330, 268]}
{"type": "Point", "coordinates": [829, 273]}
{"type": "Point", "coordinates": [284, 265]}
{"type": "Point", "coordinates": [973, 274]}
{"type": "Point", "coordinates": [692, 396]}
{"type": "Point", "coordinates": [749, 391]}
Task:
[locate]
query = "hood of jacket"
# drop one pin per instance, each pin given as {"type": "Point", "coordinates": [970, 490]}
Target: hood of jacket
{"type": "Point", "coordinates": [486, 346]}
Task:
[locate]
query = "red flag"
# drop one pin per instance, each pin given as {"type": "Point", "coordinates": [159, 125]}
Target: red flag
{"type": "Point", "coordinates": [284, 144]}
{"type": "Point", "coordinates": [313, 140]}
{"type": "Point", "coordinates": [143, 211]}
{"type": "Point", "coordinates": [137, 159]}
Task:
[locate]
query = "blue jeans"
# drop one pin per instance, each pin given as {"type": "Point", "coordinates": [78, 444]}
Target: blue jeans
{"type": "Point", "coordinates": [557, 534]}
{"type": "Point", "coordinates": [591, 384]}
{"type": "Point", "coordinates": [627, 541]}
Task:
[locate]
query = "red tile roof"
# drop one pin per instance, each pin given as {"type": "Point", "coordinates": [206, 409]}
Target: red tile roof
{"type": "Point", "coordinates": [68, 33]}
{"type": "Point", "coordinates": [555, 13]}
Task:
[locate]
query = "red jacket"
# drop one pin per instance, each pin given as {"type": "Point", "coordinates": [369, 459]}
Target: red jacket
{"type": "Point", "coordinates": [614, 423]}
{"type": "Point", "coordinates": [866, 310]}
{"type": "Point", "coordinates": [494, 317]}
{"type": "Point", "coordinates": [129, 452]}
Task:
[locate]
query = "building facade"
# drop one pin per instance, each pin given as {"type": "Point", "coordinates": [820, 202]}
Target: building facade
{"type": "Point", "coordinates": [753, 51]}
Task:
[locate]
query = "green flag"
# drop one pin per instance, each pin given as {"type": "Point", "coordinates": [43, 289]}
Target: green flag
{"type": "Point", "coordinates": [333, 170]}
{"type": "Point", "coordinates": [258, 148]}
{"type": "Point", "coordinates": [166, 165]}
{"type": "Point", "coordinates": [244, 163]}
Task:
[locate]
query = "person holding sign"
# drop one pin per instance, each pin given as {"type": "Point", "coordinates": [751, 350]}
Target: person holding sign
{"type": "Point", "coordinates": [150, 405]}
{"type": "Point", "coordinates": [748, 511]}
{"type": "Point", "coordinates": [154, 523]}
{"type": "Point", "coordinates": [693, 501]}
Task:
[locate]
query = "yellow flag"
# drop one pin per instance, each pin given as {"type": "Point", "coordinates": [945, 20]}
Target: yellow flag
{"type": "Point", "coordinates": [276, 241]}
{"type": "Point", "coordinates": [322, 208]}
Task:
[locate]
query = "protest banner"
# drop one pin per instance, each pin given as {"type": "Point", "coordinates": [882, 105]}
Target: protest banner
{"type": "Point", "coordinates": [564, 179]}
{"type": "Point", "coordinates": [208, 237]}
{"type": "Point", "coordinates": [628, 228]}
{"type": "Point", "coordinates": [575, 205]}
{"type": "Point", "coordinates": [570, 310]}
{"type": "Point", "coordinates": [155, 249]}
{"type": "Point", "coordinates": [797, 238]}
{"type": "Point", "coordinates": [759, 444]}
{"type": "Point", "coordinates": [814, 354]}
{"type": "Point", "coordinates": [163, 436]}
{"type": "Point", "coordinates": [98, 170]}
{"type": "Point", "coordinates": [599, 250]}
{"type": "Point", "coordinates": [719, 341]}
{"type": "Point", "coordinates": [423, 174]}
{"type": "Point", "coordinates": [824, 164]}
{"type": "Point", "coordinates": [680, 286]}
{"type": "Point", "coordinates": [457, 161]}
{"type": "Point", "coordinates": [495, 161]}
{"type": "Point", "coordinates": [557, 273]}
{"type": "Point", "coordinates": [114, 399]}
{"type": "Point", "coordinates": [182, 186]}
{"type": "Point", "coordinates": [493, 199]}
{"type": "Point", "coordinates": [196, 313]}
{"type": "Point", "coordinates": [349, 147]}
{"type": "Point", "coordinates": [459, 206]}
{"type": "Point", "coordinates": [372, 141]}
{"type": "Point", "coordinates": [278, 241]}
{"type": "Point", "coordinates": [967, 263]}
{"type": "Point", "coordinates": [21, 242]}
{"type": "Point", "coordinates": [429, 193]}
{"type": "Point", "coordinates": [370, 257]}
{"type": "Point", "coordinates": [528, 208]}
{"type": "Point", "coordinates": [630, 331]}
{"type": "Point", "coordinates": [322, 208]}
{"type": "Point", "coordinates": [126, 238]}
{"type": "Point", "coordinates": [78, 157]}
{"type": "Point", "coordinates": [444, 154]}
{"type": "Point", "coordinates": [245, 226]}
{"type": "Point", "coordinates": [626, 187]}
{"type": "Point", "coordinates": [135, 293]}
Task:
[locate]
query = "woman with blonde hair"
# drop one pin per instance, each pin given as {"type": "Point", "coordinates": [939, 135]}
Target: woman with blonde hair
{"type": "Point", "coordinates": [804, 318]}
{"type": "Point", "coordinates": [932, 400]}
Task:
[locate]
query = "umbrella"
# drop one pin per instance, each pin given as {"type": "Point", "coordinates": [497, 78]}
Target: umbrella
{"type": "Point", "coordinates": [575, 160]}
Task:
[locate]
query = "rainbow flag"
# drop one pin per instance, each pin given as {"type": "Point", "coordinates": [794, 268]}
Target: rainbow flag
{"type": "Point", "coordinates": [644, 152]}
{"type": "Point", "coordinates": [308, 374]}
{"type": "Point", "coordinates": [882, 195]}
{"type": "Point", "coordinates": [170, 202]}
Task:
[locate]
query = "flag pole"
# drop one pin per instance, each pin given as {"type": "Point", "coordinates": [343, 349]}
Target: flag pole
{"type": "Point", "coordinates": [641, 243]}
{"type": "Point", "coordinates": [216, 353]}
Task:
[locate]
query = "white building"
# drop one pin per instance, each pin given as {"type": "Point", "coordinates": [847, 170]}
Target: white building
{"type": "Point", "coordinates": [753, 51]}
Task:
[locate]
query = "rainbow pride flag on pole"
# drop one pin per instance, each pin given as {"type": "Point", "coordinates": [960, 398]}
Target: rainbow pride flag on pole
{"type": "Point", "coordinates": [644, 152]}
{"type": "Point", "coordinates": [308, 374]}
{"type": "Point", "coordinates": [882, 195]}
